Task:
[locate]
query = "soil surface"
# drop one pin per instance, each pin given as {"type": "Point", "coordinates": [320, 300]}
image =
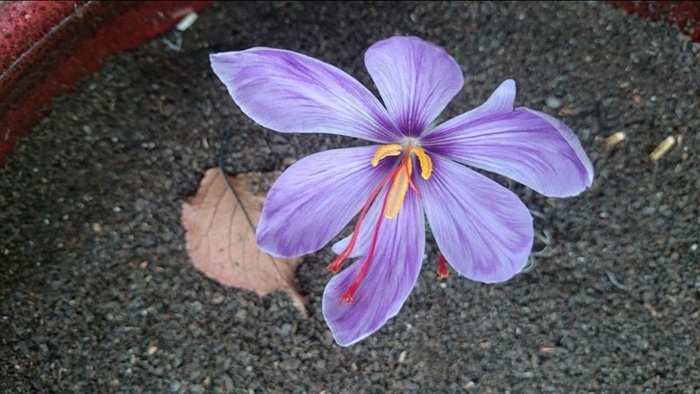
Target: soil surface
{"type": "Point", "coordinates": [97, 293]}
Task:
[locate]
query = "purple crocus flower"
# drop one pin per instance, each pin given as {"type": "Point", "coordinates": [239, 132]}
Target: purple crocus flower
{"type": "Point", "coordinates": [415, 170]}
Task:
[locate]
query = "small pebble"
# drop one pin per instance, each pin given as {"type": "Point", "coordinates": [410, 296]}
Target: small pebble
{"type": "Point", "coordinates": [217, 299]}
{"type": "Point", "coordinates": [286, 329]}
{"type": "Point", "coordinates": [402, 357]}
{"type": "Point", "coordinates": [553, 102]}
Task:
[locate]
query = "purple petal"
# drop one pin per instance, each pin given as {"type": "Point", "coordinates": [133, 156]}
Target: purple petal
{"type": "Point", "coordinates": [389, 280]}
{"type": "Point", "coordinates": [571, 138]}
{"type": "Point", "coordinates": [292, 93]}
{"type": "Point", "coordinates": [315, 198]}
{"type": "Point", "coordinates": [415, 78]}
{"type": "Point", "coordinates": [527, 146]}
{"type": "Point", "coordinates": [483, 230]}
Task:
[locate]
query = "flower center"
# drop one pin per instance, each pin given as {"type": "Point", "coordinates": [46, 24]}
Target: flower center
{"type": "Point", "coordinates": [400, 180]}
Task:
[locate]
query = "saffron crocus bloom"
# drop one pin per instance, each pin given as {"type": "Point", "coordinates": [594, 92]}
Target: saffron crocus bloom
{"type": "Point", "coordinates": [414, 170]}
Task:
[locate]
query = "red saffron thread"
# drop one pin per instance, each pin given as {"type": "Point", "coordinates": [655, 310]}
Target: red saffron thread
{"type": "Point", "coordinates": [442, 267]}
{"type": "Point", "coordinates": [348, 296]}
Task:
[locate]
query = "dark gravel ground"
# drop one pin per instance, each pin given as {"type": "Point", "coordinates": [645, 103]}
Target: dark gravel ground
{"type": "Point", "coordinates": [98, 295]}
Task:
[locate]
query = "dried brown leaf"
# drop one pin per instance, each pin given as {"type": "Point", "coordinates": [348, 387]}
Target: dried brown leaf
{"type": "Point", "coordinates": [220, 221]}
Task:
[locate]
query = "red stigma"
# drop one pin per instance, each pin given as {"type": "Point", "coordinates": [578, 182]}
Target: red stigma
{"type": "Point", "coordinates": [350, 293]}
{"type": "Point", "coordinates": [442, 267]}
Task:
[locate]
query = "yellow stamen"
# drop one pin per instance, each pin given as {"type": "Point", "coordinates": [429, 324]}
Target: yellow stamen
{"type": "Point", "coordinates": [409, 166]}
{"type": "Point", "coordinates": [426, 164]}
{"type": "Point", "coordinates": [385, 151]}
{"type": "Point", "coordinates": [397, 192]}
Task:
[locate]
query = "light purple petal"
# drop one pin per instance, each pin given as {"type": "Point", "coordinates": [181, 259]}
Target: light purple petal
{"type": "Point", "coordinates": [292, 93]}
{"type": "Point", "coordinates": [315, 198]}
{"type": "Point", "coordinates": [391, 276]}
{"type": "Point", "coordinates": [483, 230]}
{"type": "Point", "coordinates": [527, 146]}
{"type": "Point", "coordinates": [415, 78]}
{"type": "Point", "coordinates": [571, 138]}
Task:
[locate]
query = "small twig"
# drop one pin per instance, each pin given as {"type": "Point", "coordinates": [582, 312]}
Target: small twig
{"type": "Point", "coordinates": [223, 148]}
{"type": "Point", "coordinates": [615, 139]}
{"type": "Point", "coordinates": [614, 281]}
{"type": "Point", "coordinates": [547, 240]}
{"type": "Point", "coordinates": [528, 266]}
{"type": "Point", "coordinates": [663, 147]}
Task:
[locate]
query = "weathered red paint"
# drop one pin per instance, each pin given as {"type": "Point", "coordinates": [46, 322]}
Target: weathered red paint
{"type": "Point", "coordinates": [685, 14]}
{"type": "Point", "coordinates": [46, 47]}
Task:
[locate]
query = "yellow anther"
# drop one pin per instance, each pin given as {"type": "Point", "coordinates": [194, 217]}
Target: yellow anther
{"type": "Point", "coordinates": [426, 164]}
{"type": "Point", "coordinates": [385, 151]}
